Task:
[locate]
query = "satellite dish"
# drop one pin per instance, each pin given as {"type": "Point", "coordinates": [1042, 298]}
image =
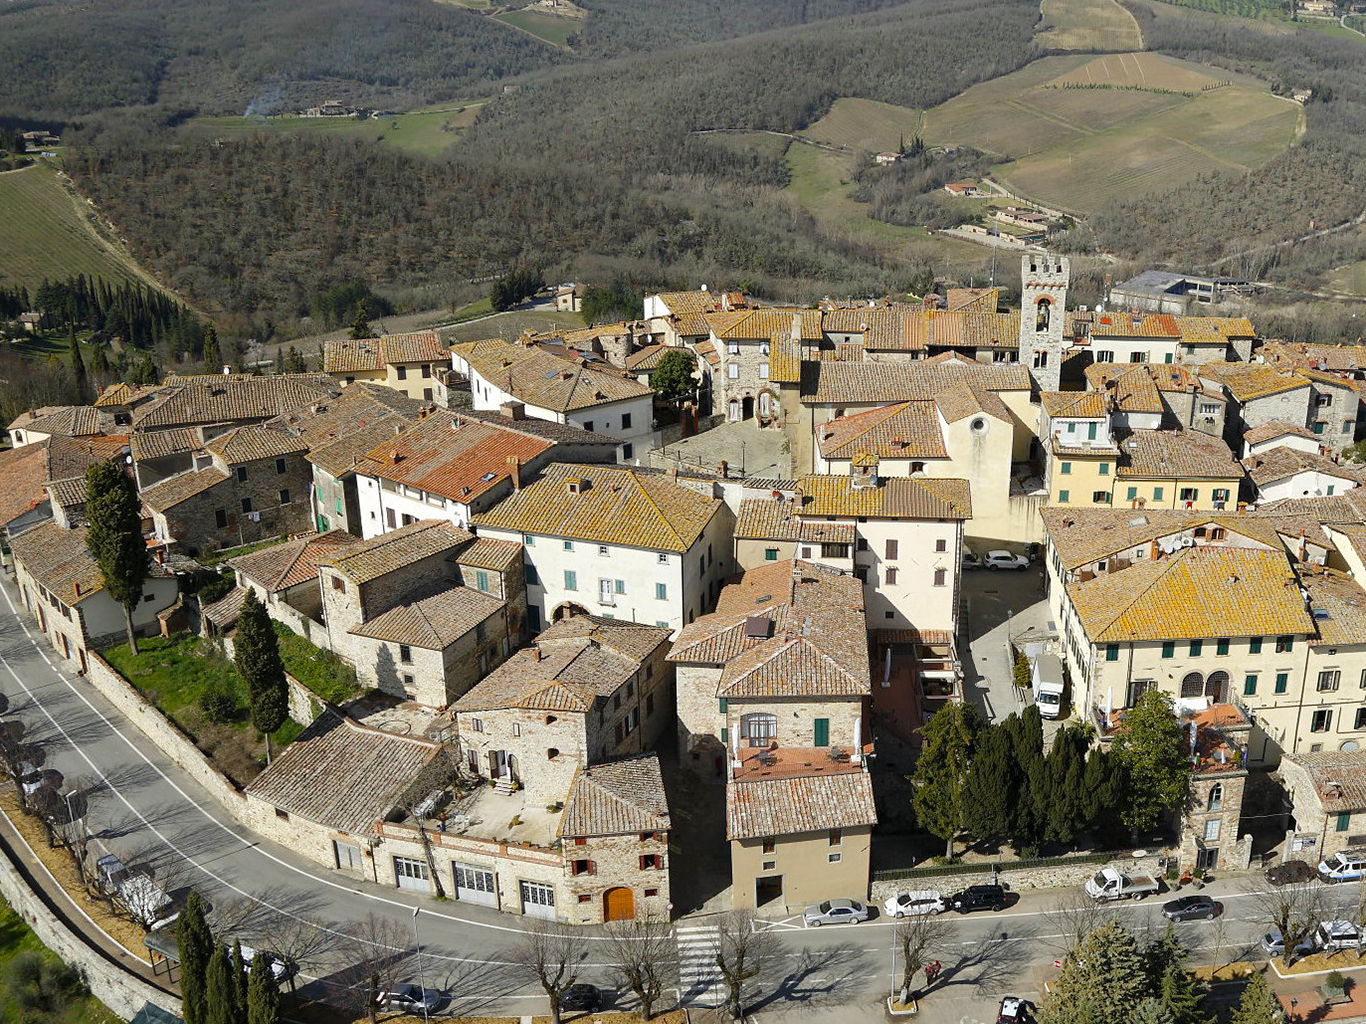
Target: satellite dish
{"type": "Point", "coordinates": [1188, 542]}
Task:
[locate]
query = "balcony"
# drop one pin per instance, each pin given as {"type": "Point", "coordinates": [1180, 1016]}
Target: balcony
{"type": "Point", "coordinates": [778, 762]}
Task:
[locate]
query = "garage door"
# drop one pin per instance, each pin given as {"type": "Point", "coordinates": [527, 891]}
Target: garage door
{"type": "Point", "coordinates": [412, 874]}
{"type": "Point", "coordinates": [618, 905]}
{"type": "Point", "coordinates": [538, 900]}
{"type": "Point", "coordinates": [475, 885]}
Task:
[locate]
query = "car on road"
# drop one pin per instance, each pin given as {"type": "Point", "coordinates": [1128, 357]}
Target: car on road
{"type": "Point", "coordinates": [1290, 872]}
{"type": "Point", "coordinates": [1192, 908]}
{"type": "Point", "coordinates": [1273, 944]}
{"type": "Point", "coordinates": [1014, 1010]}
{"type": "Point", "coordinates": [914, 903]}
{"type": "Point", "coordinates": [837, 911]}
{"type": "Point", "coordinates": [583, 997]}
{"type": "Point", "coordinates": [412, 998]}
{"type": "Point", "coordinates": [281, 967]}
{"type": "Point", "coordinates": [978, 897]}
{"type": "Point", "coordinates": [1005, 560]}
{"type": "Point", "coordinates": [970, 559]}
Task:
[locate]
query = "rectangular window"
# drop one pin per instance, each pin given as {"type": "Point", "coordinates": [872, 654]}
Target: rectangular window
{"type": "Point", "coordinates": [581, 867]}
{"type": "Point", "coordinates": [1157, 493]}
{"type": "Point", "coordinates": [571, 580]}
{"type": "Point", "coordinates": [390, 518]}
{"type": "Point", "coordinates": [241, 474]}
{"type": "Point", "coordinates": [401, 372]}
{"type": "Point", "coordinates": [1112, 652]}
{"type": "Point", "coordinates": [405, 654]}
{"type": "Point", "coordinates": [1169, 649]}
{"type": "Point", "coordinates": [1063, 496]}
{"type": "Point", "coordinates": [532, 576]}
{"type": "Point", "coordinates": [625, 420]}
{"type": "Point", "coordinates": [891, 548]}
{"type": "Point", "coordinates": [1067, 469]}
{"type": "Point", "coordinates": [1282, 681]}
{"type": "Point", "coordinates": [1220, 494]}
{"type": "Point", "coordinates": [821, 733]}
{"type": "Point", "coordinates": [1211, 830]}
{"type": "Point", "coordinates": [1221, 645]}
{"type": "Point", "coordinates": [1189, 493]}
{"type": "Point", "coordinates": [834, 837]}
{"type": "Point", "coordinates": [1249, 685]}
{"type": "Point", "coordinates": [1285, 644]}
{"type": "Point", "coordinates": [1091, 431]}
{"type": "Point", "coordinates": [284, 496]}
{"type": "Point", "coordinates": [569, 545]}
{"type": "Point", "coordinates": [1100, 497]}
{"type": "Point", "coordinates": [1132, 493]}
{"type": "Point", "coordinates": [1328, 680]}
{"type": "Point", "coordinates": [587, 424]}
{"type": "Point", "coordinates": [763, 371]}
{"type": "Point", "coordinates": [890, 576]}
{"type": "Point", "coordinates": [1322, 720]}
{"type": "Point", "coordinates": [941, 544]}
{"type": "Point", "coordinates": [481, 580]}
{"type": "Point", "coordinates": [246, 504]}
{"type": "Point", "coordinates": [1344, 821]}
{"type": "Point", "coordinates": [528, 540]}
{"type": "Point", "coordinates": [1360, 719]}
{"type": "Point", "coordinates": [732, 370]}
{"type": "Point", "coordinates": [650, 861]}
{"type": "Point", "coordinates": [1196, 647]}
{"type": "Point", "coordinates": [1104, 469]}
{"type": "Point", "coordinates": [661, 591]}
{"type": "Point", "coordinates": [770, 554]}
{"type": "Point", "coordinates": [1254, 645]}
{"type": "Point", "coordinates": [941, 577]}
{"type": "Point", "coordinates": [220, 518]}
{"type": "Point", "coordinates": [619, 586]}
{"type": "Point", "coordinates": [833, 858]}
{"type": "Point", "coordinates": [628, 451]}
{"type": "Point", "coordinates": [280, 467]}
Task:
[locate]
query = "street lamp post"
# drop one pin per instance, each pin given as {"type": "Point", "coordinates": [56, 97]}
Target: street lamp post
{"type": "Point", "coordinates": [421, 981]}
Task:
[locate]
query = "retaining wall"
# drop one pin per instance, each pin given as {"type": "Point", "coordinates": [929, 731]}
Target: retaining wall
{"type": "Point", "coordinates": [1054, 877]}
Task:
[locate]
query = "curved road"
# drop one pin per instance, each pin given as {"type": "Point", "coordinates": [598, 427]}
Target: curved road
{"type": "Point", "coordinates": [146, 809]}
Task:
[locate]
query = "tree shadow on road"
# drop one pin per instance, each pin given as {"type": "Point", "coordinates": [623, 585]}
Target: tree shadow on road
{"type": "Point", "coordinates": [819, 977]}
{"type": "Point", "coordinates": [988, 965]}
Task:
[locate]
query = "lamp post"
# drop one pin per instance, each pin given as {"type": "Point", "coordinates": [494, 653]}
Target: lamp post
{"type": "Point", "coordinates": [421, 981]}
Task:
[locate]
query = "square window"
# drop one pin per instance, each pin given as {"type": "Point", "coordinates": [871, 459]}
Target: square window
{"type": "Point", "coordinates": [1132, 493]}
{"type": "Point", "coordinates": [1067, 469]}
{"type": "Point", "coordinates": [941, 544]}
{"type": "Point", "coordinates": [1100, 497]}
{"type": "Point", "coordinates": [1328, 680]}
{"type": "Point", "coordinates": [569, 545]}
{"type": "Point", "coordinates": [1104, 469]}
{"type": "Point", "coordinates": [528, 539]}
{"type": "Point", "coordinates": [602, 550]}
{"type": "Point", "coordinates": [768, 846]}
{"type": "Point", "coordinates": [1285, 644]}
{"type": "Point", "coordinates": [770, 554]}
{"type": "Point", "coordinates": [1063, 496]}
{"type": "Point", "coordinates": [663, 559]}
{"type": "Point", "coordinates": [889, 615]}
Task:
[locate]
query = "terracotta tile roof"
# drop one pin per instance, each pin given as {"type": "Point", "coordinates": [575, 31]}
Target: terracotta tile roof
{"type": "Point", "coordinates": [1135, 325]}
{"type": "Point", "coordinates": [909, 430]}
{"type": "Point", "coordinates": [690, 302]}
{"type": "Point", "coordinates": [342, 775]}
{"type": "Point", "coordinates": [1180, 454]}
{"type": "Point", "coordinates": [547, 381]}
{"type": "Point", "coordinates": [255, 441]}
{"type": "Point", "coordinates": [893, 498]}
{"type": "Point", "coordinates": [1338, 777]}
{"type": "Point", "coordinates": [339, 457]}
{"type": "Point", "coordinates": [1339, 607]}
{"type": "Point", "coordinates": [1236, 591]}
{"type": "Point", "coordinates": [814, 640]}
{"type": "Point", "coordinates": [784, 360]}
{"type": "Point", "coordinates": [63, 420]}
{"type": "Point", "coordinates": [1074, 404]}
{"type": "Point", "coordinates": [358, 407]}
{"type": "Point", "coordinates": [226, 398]}
{"type": "Point", "coordinates": [1225, 326]}
{"type": "Point", "coordinates": [286, 565]}
{"type": "Point", "coordinates": [23, 471]}
{"type": "Point", "coordinates": [378, 556]}
{"type": "Point", "coordinates": [620, 505]}
{"type": "Point", "coordinates": [68, 494]}
{"type": "Point", "coordinates": [1341, 358]}
{"type": "Point", "coordinates": [487, 553]}
{"type": "Point", "coordinates": [547, 429]}
{"type": "Point", "coordinates": [693, 325]}
{"type": "Point", "coordinates": [225, 611]}
{"type": "Point", "coordinates": [571, 666]}
{"type": "Point", "coordinates": [72, 456]}
{"type": "Point", "coordinates": [158, 444]}
{"type": "Point", "coordinates": [618, 798]}
{"type": "Point", "coordinates": [707, 350]}
{"type": "Point", "coordinates": [763, 324]}
{"type": "Point", "coordinates": [455, 458]}
{"type": "Point", "coordinates": [433, 622]}
{"type": "Point", "coordinates": [881, 329]}
{"type": "Point", "coordinates": [1137, 385]}
{"type": "Point", "coordinates": [646, 358]}
{"type": "Point", "coordinates": [770, 519]}
{"type": "Point", "coordinates": [370, 354]}
{"type": "Point", "coordinates": [121, 394]}
{"type": "Point", "coordinates": [59, 560]}
{"type": "Point", "coordinates": [1277, 428]}
{"type": "Point", "coordinates": [1247, 381]}
{"type": "Point", "coordinates": [1277, 464]}
{"type": "Point", "coordinates": [1348, 508]}
{"type": "Point", "coordinates": [168, 493]}
{"type": "Point", "coordinates": [775, 807]}
{"type": "Point", "coordinates": [1324, 379]}
{"type": "Point", "coordinates": [978, 300]}
{"type": "Point", "coordinates": [835, 382]}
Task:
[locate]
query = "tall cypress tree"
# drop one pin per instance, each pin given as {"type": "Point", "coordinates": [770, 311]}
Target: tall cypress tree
{"type": "Point", "coordinates": [213, 352]}
{"type": "Point", "coordinates": [1065, 770]}
{"type": "Point", "coordinates": [360, 322]}
{"type": "Point", "coordinates": [79, 380]}
{"type": "Point", "coordinates": [196, 947]}
{"type": "Point", "coordinates": [114, 514]}
{"type": "Point", "coordinates": [239, 975]}
{"type": "Point", "coordinates": [942, 769]}
{"type": "Point", "coordinates": [221, 990]}
{"type": "Point", "coordinates": [263, 993]}
{"type": "Point", "coordinates": [256, 652]}
{"type": "Point", "coordinates": [989, 791]}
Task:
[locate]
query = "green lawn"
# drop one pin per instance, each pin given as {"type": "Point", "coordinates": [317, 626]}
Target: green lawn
{"type": "Point", "coordinates": [428, 131]}
{"type": "Point", "coordinates": [221, 556]}
{"type": "Point", "coordinates": [554, 30]}
{"type": "Point", "coordinates": [18, 1004]}
{"type": "Point", "coordinates": [321, 671]}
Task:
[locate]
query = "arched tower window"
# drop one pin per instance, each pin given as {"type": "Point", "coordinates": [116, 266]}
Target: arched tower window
{"type": "Point", "coordinates": [1045, 313]}
{"type": "Point", "coordinates": [1216, 797]}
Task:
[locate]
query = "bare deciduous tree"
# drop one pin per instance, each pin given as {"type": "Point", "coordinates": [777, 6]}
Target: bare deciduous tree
{"type": "Point", "coordinates": [297, 940]}
{"type": "Point", "coordinates": [644, 955]}
{"type": "Point", "coordinates": [1073, 917]}
{"type": "Point", "coordinates": [741, 954]}
{"type": "Point", "coordinates": [1294, 910]}
{"type": "Point", "coordinates": [552, 954]}
{"type": "Point", "coordinates": [372, 951]}
{"type": "Point", "coordinates": [915, 937]}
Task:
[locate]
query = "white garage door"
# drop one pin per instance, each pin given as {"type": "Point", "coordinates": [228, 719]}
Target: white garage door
{"type": "Point", "coordinates": [412, 874]}
{"type": "Point", "coordinates": [538, 900]}
{"type": "Point", "coordinates": [475, 885]}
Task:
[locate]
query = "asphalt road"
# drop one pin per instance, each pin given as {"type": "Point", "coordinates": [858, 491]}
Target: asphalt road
{"type": "Point", "coordinates": [147, 810]}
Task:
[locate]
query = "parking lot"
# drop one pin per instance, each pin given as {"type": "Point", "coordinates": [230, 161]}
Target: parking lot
{"type": "Point", "coordinates": [997, 605]}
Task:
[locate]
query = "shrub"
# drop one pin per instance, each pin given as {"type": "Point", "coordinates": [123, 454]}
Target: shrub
{"type": "Point", "coordinates": [219, 704]}
{"type": "Point", "coordinates": [216, 588]}
{"type": "Point", "coordinates": [1022, 673]}
{"type": "Point", "coordinates": [1335, 982]}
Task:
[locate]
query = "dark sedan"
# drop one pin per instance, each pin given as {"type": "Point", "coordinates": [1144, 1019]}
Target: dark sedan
{"type": "Point", "coordinates": [1290, 872]}
{"type": "Point", "coordinates": [1192, 908]}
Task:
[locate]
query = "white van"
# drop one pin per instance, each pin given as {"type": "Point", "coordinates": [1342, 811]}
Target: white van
{"type": "Point", "coordinates": [1333, 936]}
{"type": "Point", "coordinates": [1345, 866]}
{"type": "Point", "coordinates": [1048, 686]}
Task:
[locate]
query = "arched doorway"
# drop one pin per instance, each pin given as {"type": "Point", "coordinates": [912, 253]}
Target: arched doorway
{"type": "Point", "coordinates": [619, 904]}
{"type": "Point", "coordinates": [733, 410]}
{"type": "Point", "coordinates": [568, 610]}
{"type": "Point", "coordinates": [1216, 687]}
{"type": "Point", "coordinates": [747, 407]}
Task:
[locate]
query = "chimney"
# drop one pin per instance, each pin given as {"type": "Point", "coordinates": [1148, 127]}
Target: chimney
{"type": "Point", "coordinates": [535, 654]}
{"type": "Point", "coordinates": [723, 470]}
{"type": "Point", "coordinates": [513, 410]}
{"type": "Point", "coordinates": [515, 471]}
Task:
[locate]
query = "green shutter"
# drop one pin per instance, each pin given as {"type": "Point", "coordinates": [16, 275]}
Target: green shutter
{"type": "Point", "coordinates": [1221, 646]}
{"type": "Point", "coordinates": [1112, 652]}
{"type": "Point", "coordinates": [571, 580]}
{"type": "Point", "coordinates": [1254, 646]}
{"type": "Point", "coordinates": [1157, 494]}
{"type": "Point", "coordinates": [1169, 649]}
{"type": "Point", "coordinates": [822, 732]}
{"type": "Point", "coordinates": [1249, 685]}
{"type": "Point", "coordinates": [723, 705]}
{"type": "Point", "coordinates": [1282, 681]}
{"type": "Point", "coordinates": [1344, 821]}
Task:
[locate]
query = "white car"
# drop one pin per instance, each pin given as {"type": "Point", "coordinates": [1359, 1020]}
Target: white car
{"type": "Point", "coordinates": [914, 904]}
{"type": "Point", "coordinates": [1005, 560]}
{"type": "Point", "coordinates": [837, 911]}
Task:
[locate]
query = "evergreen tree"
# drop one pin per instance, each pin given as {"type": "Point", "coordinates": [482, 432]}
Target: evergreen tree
{"type": "Point", "coordinates": [114, 515]}
{"type": "Point", "coordinates": [672, 377]}
{"type": "Point", "coordinates": [1103, 789]}
{"type": "Point", "coordinates": [1179, 993]}
{"type": "Point", "coordinates": [1029, 808]}
{"type": "Point", "coordinates": [1152, 1011]}
{"type": "Point", "coordinates": [239, 975]}
{"type": "Point", "coordinates": [941, 770]}
{"type": "Point", "coordinates": [213, 351]}
{"type": "Point", "coordinates": [1152, 752]}
{"type": "Point", "coordinates": [1258, 1004]}
{"type": "Point", "coordinates": [360, 322]}
{"type": "Point", "coordinates": [1103, 980]}
{"type": "Point", "coordinates": [195, 943]}
{"type": "Point", "coordinates": [79, 380]}
{"type": "Point", "coordinates": [263, 992]}
{"type": "Point", "coordinates": [1065, 770]}
{"type": "Point", "coordinates": [989, 790]}
{"type": "Point", "coordinates": [220, 990]}
{"type": "Point", "coordinates": [294, 362]}
{"type": "Point", "coordinates": [99, 364]}
{"type": "Point", "coordinates": [257, 656]}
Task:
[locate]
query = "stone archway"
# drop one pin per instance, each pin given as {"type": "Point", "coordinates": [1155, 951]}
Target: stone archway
{"type": "Point", "coordinates": [567, 610]}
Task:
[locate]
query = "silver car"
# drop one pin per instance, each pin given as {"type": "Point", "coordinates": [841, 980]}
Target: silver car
{"type": "Point", "coordinates": [840, 911]}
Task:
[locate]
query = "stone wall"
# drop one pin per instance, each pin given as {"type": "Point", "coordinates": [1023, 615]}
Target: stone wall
{"type": "Point", "coordinates": [124, 993]}
{"type": "Point", "coordinates": [1017, 880]}
{"type": "Point", "coordinates": [193, 522]}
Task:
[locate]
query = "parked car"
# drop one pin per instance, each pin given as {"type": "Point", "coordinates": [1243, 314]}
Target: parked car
{"type": "Point", "coordinates": [970, 560]}
{"type": "Point", "coordinates": [412, 998]}
{"type": "Point", "coordinates": [581, 997]}
{"type": "Point", "coordinates": [1192, 908]}
{"type": "Point", "coordinates": [1273, 944]}
{"type": "Point", "coordinates": [839, 911]}
{"type": "Point", "coordinates": [1344, 866]}
{"type": "Point", "coordinates": [1289, 872]}
{"type": "Point", "coordinates": [1335, 936]}
{"type": "Point", "coordinates": [978, 897]}
{"type": "Point", "coordinates": [281, 968]}
{"type": "Point", "coordinates": [1005, 560]}
{"type": "Point", "coordinates": [1014, 1010]}
{"type": "Point", "coordinates": [914, 903]}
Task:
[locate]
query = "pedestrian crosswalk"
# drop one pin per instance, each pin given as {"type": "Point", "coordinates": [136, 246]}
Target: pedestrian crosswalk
{"type": "Point", "coordinates": [699, 979]}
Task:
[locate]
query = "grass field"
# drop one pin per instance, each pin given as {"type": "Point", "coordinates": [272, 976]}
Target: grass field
{"type": "Point", "coordinates": [427, 132]}
{"type": "Point", "coordinates": [865, 124]}
{"type": "Point", "coordinates": [1351, 279]}
{"type": "Point", "coordinates": [762, 144]}
{"type": "Point", "coordinates": [48, 233]}
{"type": "Point", "coordinates": [554, 30]}
{"type": "Point", "coordinates": [1088, 25]}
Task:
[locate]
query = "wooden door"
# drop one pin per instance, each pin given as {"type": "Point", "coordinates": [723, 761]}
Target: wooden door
{"type": "Point", "coordinates": [618, 905]}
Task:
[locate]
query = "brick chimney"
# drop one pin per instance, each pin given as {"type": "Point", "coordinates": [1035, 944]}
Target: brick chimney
{"type": "Point", "coordinates": [515, 471]}
{"type": "Point", "coordinates": [513, 410]}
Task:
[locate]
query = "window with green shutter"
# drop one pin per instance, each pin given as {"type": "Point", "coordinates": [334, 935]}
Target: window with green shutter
{"type": "Point", "coordinates": [1344, 821]}
{"type": "Point", "coordinates": [822, 738]}
{"type": "Point", "coordinates": [1066, 469]}
{"type": "Point", "coordinates": [1133, 493]}
{"type": "Point", "coordinates": [1169, 649]}
{"type": "Point", "coordinates": [1063, 495]}
{"type": "Point", "coordinates": [1249, 685]}
{"type": "Point", "coordinates": [1157, 494]}
{"type": "Point", "coordinates": [1282, 681]}
{"type": "Point", "coordinates": [571, 580]}
{"type": "Point", "coordinates": [1196, 647]}
{"type": "Point", "coordinates": [481, 581]}
{"type": "Point", "coordinates": [1221, 645]}
{"type": "Point", "coordinates": [1254, 645]}
{"type": "Point", "coordinates": [723, 705]}
{"type": "Point", "coordinates": [1112, 652]}
{"type": "Point", "coordinates": [1104, 469]}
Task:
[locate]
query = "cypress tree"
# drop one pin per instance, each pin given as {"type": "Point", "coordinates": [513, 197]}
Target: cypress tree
{"type": "Point", "coordinates": [196, 946]}
{"type": "Point", "coordinates": [263, 993]}
{"type": "Point", "coordinates": [360, 322]}
{"type": "Point", "coordinates": [79, 380]}
{"type": "Point", "coordinates": [941, 770]}
{"type": "Point", "coordinates": [213, 352]}
{"type": "Point", "coordinates": [221, 990]}
{"type": "Point", "coordinates": [257, 656]}
{"type": "Point", "coordinates": [988, 792]}
{"type": "Point", "coordinates": [239, 975]}
{"type": "Point", "coordinates": [99, 363]}
{"type": "Point", "coordinates": [1065, 770]}
{"type": "Point", "coordinates": [114, 514]}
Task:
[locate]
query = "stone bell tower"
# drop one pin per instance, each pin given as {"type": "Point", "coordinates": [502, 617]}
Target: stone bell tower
{"type": "Point", "coordinates": [1043, 304]}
